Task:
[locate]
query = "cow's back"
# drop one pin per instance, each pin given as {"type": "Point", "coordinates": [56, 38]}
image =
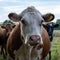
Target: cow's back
{"type": "Point", "coordinates": [46, 42]}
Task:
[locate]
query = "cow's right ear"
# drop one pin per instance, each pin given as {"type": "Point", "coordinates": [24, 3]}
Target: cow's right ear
{"type": "Point", "coordinates": [14, 17]}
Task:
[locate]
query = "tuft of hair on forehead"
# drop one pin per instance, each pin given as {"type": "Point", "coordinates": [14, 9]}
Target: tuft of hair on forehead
{"type": "Point", "coordinates": [29, 9]}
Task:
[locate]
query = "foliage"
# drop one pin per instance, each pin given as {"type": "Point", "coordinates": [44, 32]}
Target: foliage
{"type": "Point", "coordinates": [6, 22]}
{"type": "Point", "coordinates": [58, 22]}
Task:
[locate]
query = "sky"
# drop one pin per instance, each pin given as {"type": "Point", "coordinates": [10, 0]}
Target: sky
{"type": "Point", "coordinates": [17, 6]}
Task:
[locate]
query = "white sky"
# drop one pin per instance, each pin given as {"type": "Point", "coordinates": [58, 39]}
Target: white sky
{"type": "Point", "coordinates": [44, 6]}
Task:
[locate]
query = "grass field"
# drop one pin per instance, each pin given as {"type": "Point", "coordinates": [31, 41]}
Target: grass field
{"type": "Point", "coordinates": [55, 47]}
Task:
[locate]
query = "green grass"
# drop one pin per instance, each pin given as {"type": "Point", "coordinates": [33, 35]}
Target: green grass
{"type": "Point", "coordinates": [1, 58]}
{"type": "Point", "coordinates": [56, 48]}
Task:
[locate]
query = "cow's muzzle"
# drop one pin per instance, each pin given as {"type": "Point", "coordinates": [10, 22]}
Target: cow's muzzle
{"type": "Point", "coordinates": [34, 40]}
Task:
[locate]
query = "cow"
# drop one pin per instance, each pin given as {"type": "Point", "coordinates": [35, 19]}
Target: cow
{"type": "Point", "coordinates": [29, 40]}
{"type": "Point", "coordinates": [4, 33]}
{"type": "Point", "coordinates": [49, 26]}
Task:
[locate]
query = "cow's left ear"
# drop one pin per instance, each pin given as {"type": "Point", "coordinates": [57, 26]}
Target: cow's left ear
{"type": "Point", "coordinates": [48, 17]}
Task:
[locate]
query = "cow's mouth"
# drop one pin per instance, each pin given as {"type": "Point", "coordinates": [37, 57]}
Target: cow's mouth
{"type": "Point", "coordinates": [33, 43]}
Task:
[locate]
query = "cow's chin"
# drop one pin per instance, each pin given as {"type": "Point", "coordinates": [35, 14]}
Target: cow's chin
{"type": "Point", "coordinates": [35, 44]}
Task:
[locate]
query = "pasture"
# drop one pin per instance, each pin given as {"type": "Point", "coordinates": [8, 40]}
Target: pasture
{"type": "Point", "coordinates": [55, 46]}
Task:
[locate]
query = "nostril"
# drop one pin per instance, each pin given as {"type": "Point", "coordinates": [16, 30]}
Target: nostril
{"type": "Point", "coordinates": [31, 38]}
{"type": "Point", "coordinates": [35, 38]}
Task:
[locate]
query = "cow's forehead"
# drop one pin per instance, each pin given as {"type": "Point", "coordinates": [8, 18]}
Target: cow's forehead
{"type": "Point", "coordinates": [32, 16]}
{"type": "Point", "coordinates": [31, 11]}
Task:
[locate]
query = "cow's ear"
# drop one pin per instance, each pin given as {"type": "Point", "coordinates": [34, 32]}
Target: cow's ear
{"type": "Point", "coordinates": [14, 17]}
{"type": "Point", "coordinates": [3, 26]}
{"type": "Point", "coordinates": [48, 17]}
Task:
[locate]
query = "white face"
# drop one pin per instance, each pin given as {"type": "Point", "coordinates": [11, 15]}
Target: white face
{"type": "Point", "coordinates": [32, 23]}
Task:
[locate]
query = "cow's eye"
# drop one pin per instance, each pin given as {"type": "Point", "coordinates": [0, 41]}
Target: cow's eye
{"type": "Point", "coordinates": [24, 22]}
{"type": "Point", "coordinates": [41, 23]}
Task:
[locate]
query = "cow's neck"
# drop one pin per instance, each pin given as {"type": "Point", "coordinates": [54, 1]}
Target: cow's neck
{"type": "Point", "coordinates": [25, 52]}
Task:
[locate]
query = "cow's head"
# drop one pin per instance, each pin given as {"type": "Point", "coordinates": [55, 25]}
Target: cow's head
{"type": "Point", "coordinates": [31, 20]}
{"type": "Point", "coordinates": [8, 28]}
